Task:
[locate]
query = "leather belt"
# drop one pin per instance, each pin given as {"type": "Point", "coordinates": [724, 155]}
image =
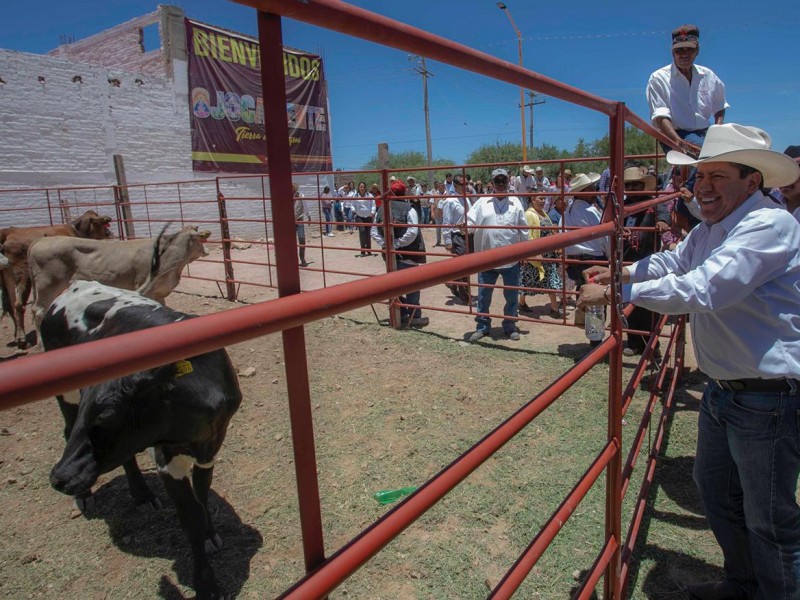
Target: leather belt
{"type": "Point", "coordinates": [759, 385]}
{"type": "Point", "coordinates": [585, 257]}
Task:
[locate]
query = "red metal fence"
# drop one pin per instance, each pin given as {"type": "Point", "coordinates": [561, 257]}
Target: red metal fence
{"type": "Point", "coordinates": [34, 377]}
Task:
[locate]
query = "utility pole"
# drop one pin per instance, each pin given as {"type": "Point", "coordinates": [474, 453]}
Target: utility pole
{"type": "Point", "coordinates": [422, 70]}
{"type": "Point", "coordinates": [504, 8]}
{"type": "Point", "coordinates": [533, 101]}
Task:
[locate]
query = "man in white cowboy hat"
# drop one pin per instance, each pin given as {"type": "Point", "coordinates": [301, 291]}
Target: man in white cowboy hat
{"type": "Point", "coordinates": [582, 211]}
{"type": "Point", "coordinates": [542, 182]}
{"type": "Point", "coordinates": [491, 212]}
{"type": "Point", "coordinates": [683, 96]}
{"type": "Point", "coordinates": [525, 181]}
{"type": "Point", "coordinates": [737, 274]}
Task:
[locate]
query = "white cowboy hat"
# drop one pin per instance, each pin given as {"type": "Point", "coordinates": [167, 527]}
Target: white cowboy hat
{"type": "Point", "coordinates": [640, 174]}
{"type": "Point", "coordinates": [743, 145]}
{"type": "Point", "coordinates": [581, 181]}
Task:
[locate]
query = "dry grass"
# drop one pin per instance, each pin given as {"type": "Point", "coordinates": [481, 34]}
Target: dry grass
{"type": "Point", "coordinates": [390, 410]}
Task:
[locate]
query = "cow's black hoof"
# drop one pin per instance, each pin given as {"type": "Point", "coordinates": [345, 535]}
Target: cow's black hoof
{"type": "Point", "coordinates": [84, 502]}
{"type": "Point", "coordinates": [213, 544]}
{"type": "Point", "coordinates": [150, 505]}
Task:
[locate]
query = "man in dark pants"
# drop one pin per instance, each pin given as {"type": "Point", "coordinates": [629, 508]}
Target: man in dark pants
{"type": "Point", "coordinates": [737, 274]}
{"type": "Point", "coordinates": [406, 237]}
{"type": "Point", "coordinates": [638, 244]}
{"type": "Point", "coordinates": [455, 240]}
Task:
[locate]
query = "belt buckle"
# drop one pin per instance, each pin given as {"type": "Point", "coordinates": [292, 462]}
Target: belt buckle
{"type": "Point", "coordinates": [731, 385]}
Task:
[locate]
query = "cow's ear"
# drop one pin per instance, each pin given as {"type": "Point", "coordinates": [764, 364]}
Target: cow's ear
{"type": "Point", "coordinates": [82, 225]}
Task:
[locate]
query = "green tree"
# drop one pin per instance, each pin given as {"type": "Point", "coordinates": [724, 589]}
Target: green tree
{"type": "Point", "coordinates": [406, 164]}
{"type": "Point", "coordinates": [506, 153]}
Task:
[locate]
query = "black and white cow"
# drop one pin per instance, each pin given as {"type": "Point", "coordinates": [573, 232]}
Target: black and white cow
{"type": "Point", "coordinates": [180, 410]}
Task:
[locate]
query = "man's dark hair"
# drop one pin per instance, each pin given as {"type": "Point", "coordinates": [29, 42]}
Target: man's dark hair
{"type": "Point", "coordinates": [459, 179]}
{"type": "Point", "coordinates": [744, 171]}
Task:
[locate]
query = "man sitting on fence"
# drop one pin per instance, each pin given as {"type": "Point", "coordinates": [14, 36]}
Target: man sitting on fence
{"type": "Point", "coordinates": [738, 276]}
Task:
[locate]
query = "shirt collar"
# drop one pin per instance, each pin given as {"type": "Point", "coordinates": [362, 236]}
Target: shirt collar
{"type": "Point", "coordinates": [695, 71]}
{"type": "Point", "coordinates": [740, 211]}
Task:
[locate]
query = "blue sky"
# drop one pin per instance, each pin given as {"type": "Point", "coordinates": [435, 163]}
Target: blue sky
{"type": "Point", "coordinates": [607, 48]}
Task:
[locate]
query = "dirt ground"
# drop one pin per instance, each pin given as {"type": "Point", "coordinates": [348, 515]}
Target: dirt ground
{"type": "Point", "coordinates": [391, 408]}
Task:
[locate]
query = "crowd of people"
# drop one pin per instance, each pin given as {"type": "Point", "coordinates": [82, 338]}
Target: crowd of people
{"type": "Point", "coordinates": [725, 250]}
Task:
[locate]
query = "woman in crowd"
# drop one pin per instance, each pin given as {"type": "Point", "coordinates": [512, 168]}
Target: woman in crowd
{"type": "Point", "coordinates": [363, 214]}
{"type": "Point", "coordinates": [540, 274]}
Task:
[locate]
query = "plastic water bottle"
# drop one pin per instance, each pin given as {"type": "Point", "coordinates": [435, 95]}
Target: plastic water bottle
{"type": "Point", "coordinates": [389, 496]}
{"type": "Point", "coordinates": [595, 323]}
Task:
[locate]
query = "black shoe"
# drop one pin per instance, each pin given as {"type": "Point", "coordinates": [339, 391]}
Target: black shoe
{"type": "Point", "coordinates": [304, 264]}
{"type": "Point", "coordinates": [525, 308]}
{"type": "Point", "coordinates": [716, 590]}
{"type": "Point", "coordinates": [557, 313]}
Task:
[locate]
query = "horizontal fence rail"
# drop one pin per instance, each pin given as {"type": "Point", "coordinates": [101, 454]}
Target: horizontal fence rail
{"type": "Point", "coordinates": [232, 205]}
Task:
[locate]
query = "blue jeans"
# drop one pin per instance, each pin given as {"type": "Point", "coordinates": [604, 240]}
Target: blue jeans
{"type": "Point", "coordinates": [426, 215]}
{"type": "Point", "coordinates": [348, 216]}
{"type": "Point", "coordinates": [746, 470]}
{"type": "Point", "coordinates": [327, 213]}
{"type": "Point", "coordinates": [410, 298]}
{"type": "Point", "coordinates": [695, 136]}
{"type": "Point", "coordinates": [510, 278]}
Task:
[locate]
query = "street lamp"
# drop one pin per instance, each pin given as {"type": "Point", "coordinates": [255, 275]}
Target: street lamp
{"type": "Point", "coordinates": [504, 8]}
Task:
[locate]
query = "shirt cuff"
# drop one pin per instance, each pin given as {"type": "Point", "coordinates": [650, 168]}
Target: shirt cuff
{"type": "Point", "coordinates": [661, 111]}
{"type": "Point", "coordinates": [627, 290]}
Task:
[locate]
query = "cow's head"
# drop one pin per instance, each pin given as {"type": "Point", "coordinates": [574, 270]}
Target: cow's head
{"type": "Point", "coordinates": [93, 226]}
{"type": "Point", "coordinates": [188, 244]}
{"type": "Point", "coordinates": [110, 428]}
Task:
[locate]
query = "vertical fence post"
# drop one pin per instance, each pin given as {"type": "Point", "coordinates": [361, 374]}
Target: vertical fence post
{"type": "Point", "coordinates": [294, 346]}
{"type": "Point", "coordinates": [225, 232]}
{"type": "Point", "coordinates": [612, 581]}
{"type": "Point", "coordinates": [122, 200]}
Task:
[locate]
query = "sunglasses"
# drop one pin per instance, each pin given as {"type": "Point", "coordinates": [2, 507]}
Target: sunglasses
{"type": "Point", "coordinates": [500, 180]}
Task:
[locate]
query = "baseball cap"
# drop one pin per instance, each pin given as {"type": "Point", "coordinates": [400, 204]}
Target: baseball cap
{"type": "Point", "coordinates": [499, 173]}
{"type": "Point", "coordinates": [686, 36]}
{"type": "Point", "coordinates": [398, 187]}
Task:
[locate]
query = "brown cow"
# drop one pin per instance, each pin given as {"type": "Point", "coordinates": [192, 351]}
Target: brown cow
{"type": "Point", "coordinates": [16, 279]}
{"type": "Point", "coordinates": [56, 261]}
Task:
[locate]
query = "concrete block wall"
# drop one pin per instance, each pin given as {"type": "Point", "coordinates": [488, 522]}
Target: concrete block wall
{"type": "Point", "coordinates": [65, 115]}
{"type": "Point", "coordinates": [61, 122]}
{"type": "Point", "coordinates": [121, 47]}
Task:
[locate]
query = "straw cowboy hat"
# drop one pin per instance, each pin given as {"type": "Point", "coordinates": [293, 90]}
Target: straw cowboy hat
{"type": "Point", "coordinates": [640, 174]}
{"type": "Point", "coordinates": [743, 145]}
{"type": "Point", "coordinates": [583, 180]}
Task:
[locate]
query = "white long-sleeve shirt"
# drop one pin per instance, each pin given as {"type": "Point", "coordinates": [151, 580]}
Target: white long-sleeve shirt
{"type": "Point", "coordinates": [376, 231]}
{"type": "Point", "coordinates": [453, 210]}
{"type": "Point", "coordinates": [583, 214]}
{"type": "Point", "coordinates": [687, 105]}
{"type": "Point", "coordinates": [493, 211]}
{"type": "Point", "coordinates": [364, 206]}
{"type": "Point", "coordinates": [739, 280]}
